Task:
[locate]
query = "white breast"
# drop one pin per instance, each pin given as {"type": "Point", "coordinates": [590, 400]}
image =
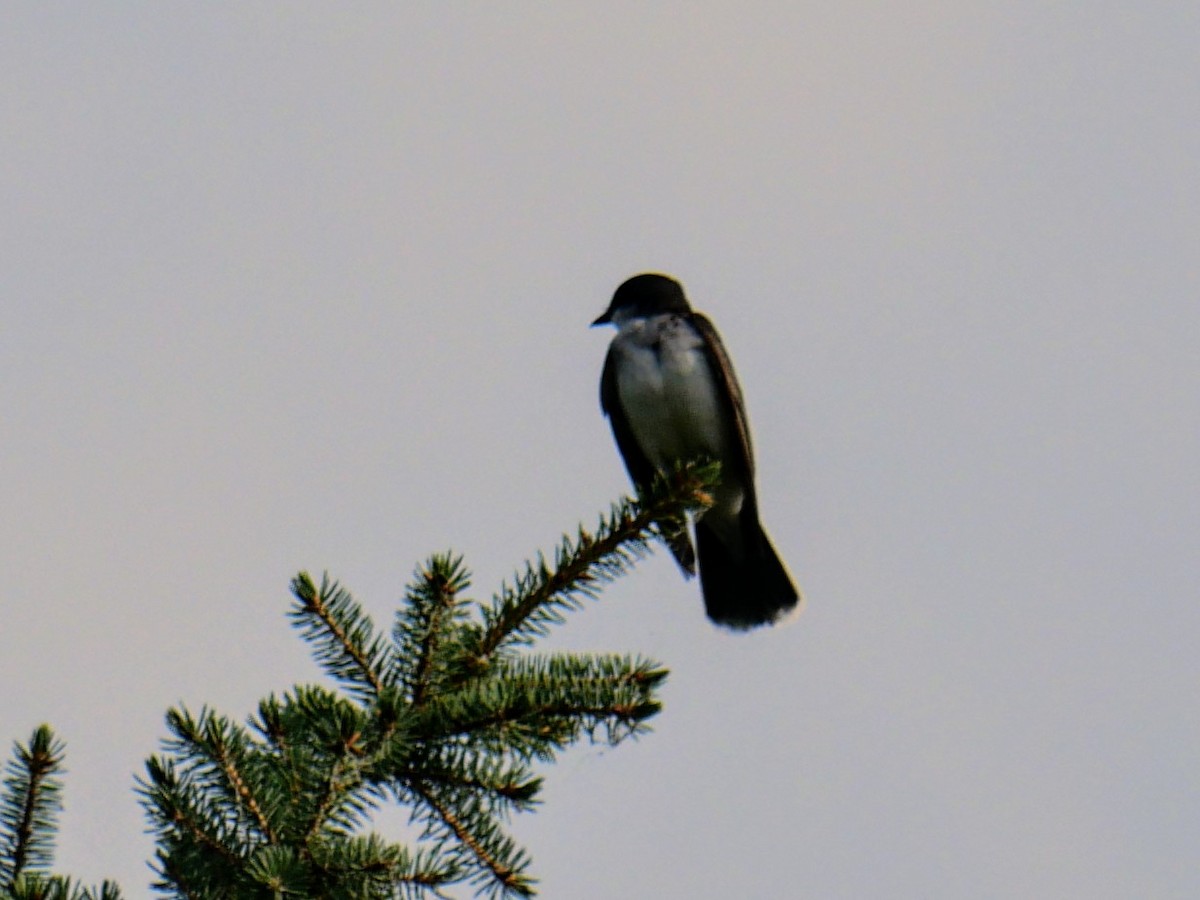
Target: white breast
{"type": "Point", "coordinates": [668, 392]}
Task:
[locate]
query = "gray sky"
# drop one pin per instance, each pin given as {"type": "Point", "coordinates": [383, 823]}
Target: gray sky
{"type": "Point", "coordinates": [307, 287]}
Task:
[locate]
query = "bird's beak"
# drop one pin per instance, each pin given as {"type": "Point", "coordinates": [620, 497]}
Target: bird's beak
{"type": "Point", "coordinates": [605, 318]}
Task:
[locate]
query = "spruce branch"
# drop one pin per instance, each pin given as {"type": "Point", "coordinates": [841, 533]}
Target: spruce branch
{"type": "Point", "coordinates": [217, 751]}
{"type": "Point", "coordinates": [447, 714]}
{"type": "Point", "coordinates": [495, 861]}
{"type": "Point", "coordinates": [32, 886]}
{"type": "Point", "coordinates": [541, 594]}
{"type": "Point", "coordinates": [30, 805]}
{"type": "Point", "coordinates": [368, 866]}
{"type": "Point", "coordinates": [506, 785]}
{"type": "Point", "coordinates": [535, 706]}
{"type": "Point", "coordinates": [187, 818]}
{"type": "Point", "coordinates": [346, 642]}
{"type": "Point", "coordinates": [425, 623]}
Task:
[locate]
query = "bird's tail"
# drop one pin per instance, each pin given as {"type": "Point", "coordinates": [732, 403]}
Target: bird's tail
{"type": "Point", "coordinates": [743, 587]}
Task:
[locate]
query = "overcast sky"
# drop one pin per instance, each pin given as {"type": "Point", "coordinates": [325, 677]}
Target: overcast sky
{"type": "Point", "coordinates": [307, 286]}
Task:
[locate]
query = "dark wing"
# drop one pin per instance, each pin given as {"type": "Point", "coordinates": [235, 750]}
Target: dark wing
{"type": "Point", "coordinates": [640, 469]}
{"type": "Point", "coordinates": [722, 368]}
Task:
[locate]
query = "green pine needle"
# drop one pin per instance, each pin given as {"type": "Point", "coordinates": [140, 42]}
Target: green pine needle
{"type": "Point", "coordinates": [541, 594]}
{"type": "Point", "coordinates": [30, 805]}
{"type": "Point", "coordinates": [427, 625]}
{"type": "Point", "coordinates": [343, 635]}
{"type": "Point", "coordinates": [448, 714]}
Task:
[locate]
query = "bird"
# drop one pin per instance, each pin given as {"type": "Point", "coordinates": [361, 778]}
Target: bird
{"type": "Point", "coordinates": [670, 394]}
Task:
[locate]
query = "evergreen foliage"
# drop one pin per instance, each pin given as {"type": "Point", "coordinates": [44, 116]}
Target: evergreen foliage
{"type": "Point", "coordinates": [446, 715]}
{"type": "Point", "coordinates": [29, 808]}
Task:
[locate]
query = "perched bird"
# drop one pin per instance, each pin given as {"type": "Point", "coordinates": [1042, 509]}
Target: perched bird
{"type": "Point", "coordinates": [670, 394]}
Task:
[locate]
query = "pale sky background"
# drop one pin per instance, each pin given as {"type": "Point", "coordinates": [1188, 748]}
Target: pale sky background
{"type": "Point", "coordinates": [307, 286]}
